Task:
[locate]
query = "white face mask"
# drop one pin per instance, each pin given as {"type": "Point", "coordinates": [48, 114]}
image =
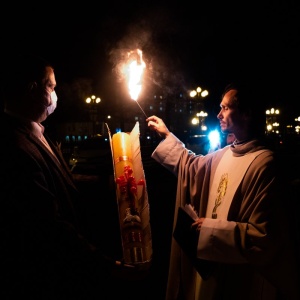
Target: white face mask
{"type": "Point", "coordinates": [52, 106]}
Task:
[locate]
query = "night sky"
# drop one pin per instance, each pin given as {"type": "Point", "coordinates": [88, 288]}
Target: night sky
{"type": "Point", "coordinates": [185, 44]}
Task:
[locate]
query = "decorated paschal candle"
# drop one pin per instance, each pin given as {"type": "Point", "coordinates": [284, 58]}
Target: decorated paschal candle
{"type": "Point", "coordinates": [123, 164]}
{"type": "Point", "coordinates": [130, 221]}
{"type": "Point", "coordinates": [121, 152]}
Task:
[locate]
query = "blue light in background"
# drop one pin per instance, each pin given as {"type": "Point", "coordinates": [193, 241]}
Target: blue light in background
{"type": "Point", "coordinates": [214, 140]}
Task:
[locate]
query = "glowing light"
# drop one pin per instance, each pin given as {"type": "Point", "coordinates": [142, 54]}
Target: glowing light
{"type": "Point", "coordinates": [133, 72]}
{"type": "Point", "coordinates": [93, 99]}
{"type": "Point", "coordinates": [193, 93]}
{"type": "Point", "coordinates": [195, 121]}
{"type": "Point", "coordinates": [204, 93]}
{"type": "Point", "coordinates": [214, 139]}
{"type": "Point", "coordinates": [199, 92]}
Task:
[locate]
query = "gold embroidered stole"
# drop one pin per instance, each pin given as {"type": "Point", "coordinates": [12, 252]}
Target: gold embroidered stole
{"type": "Point", "coordinates": [225, 182]}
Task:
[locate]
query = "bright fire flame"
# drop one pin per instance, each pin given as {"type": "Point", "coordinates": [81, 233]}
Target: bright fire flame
{"type": "Point", "coordinates": [134, 71]}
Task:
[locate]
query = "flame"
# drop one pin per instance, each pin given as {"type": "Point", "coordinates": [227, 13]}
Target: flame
{"type": "Point", "coordinates": [134, 71]}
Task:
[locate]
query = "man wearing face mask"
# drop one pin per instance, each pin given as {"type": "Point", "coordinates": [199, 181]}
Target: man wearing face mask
{"type": "Point", "coordinates": [43, 254]}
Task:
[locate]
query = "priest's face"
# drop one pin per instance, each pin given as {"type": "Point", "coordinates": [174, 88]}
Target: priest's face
{"type": "Point", "coordinates": [232, 120]}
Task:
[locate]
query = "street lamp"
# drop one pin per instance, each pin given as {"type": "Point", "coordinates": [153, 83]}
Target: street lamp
{"type": "Point", "coordinates": [202, 115]}
{"type": "Point", "coordinates": [200, 120]}
{"type": "Point", "coordinates": [297, 127]}
{"type": "Point", "coordinates": [199, 94]}
{"type": "Point", "coordinates": [93, 102]}
{"type": "Point", "coordinates": [272, 120]}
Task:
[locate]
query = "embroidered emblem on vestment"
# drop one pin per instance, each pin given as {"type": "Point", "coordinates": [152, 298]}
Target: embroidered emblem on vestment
{"type": "Point", "coordinates": [220, 194]}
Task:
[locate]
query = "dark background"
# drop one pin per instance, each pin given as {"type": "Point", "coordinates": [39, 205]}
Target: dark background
{"type": "Point", "coordinates": [184, 43]}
